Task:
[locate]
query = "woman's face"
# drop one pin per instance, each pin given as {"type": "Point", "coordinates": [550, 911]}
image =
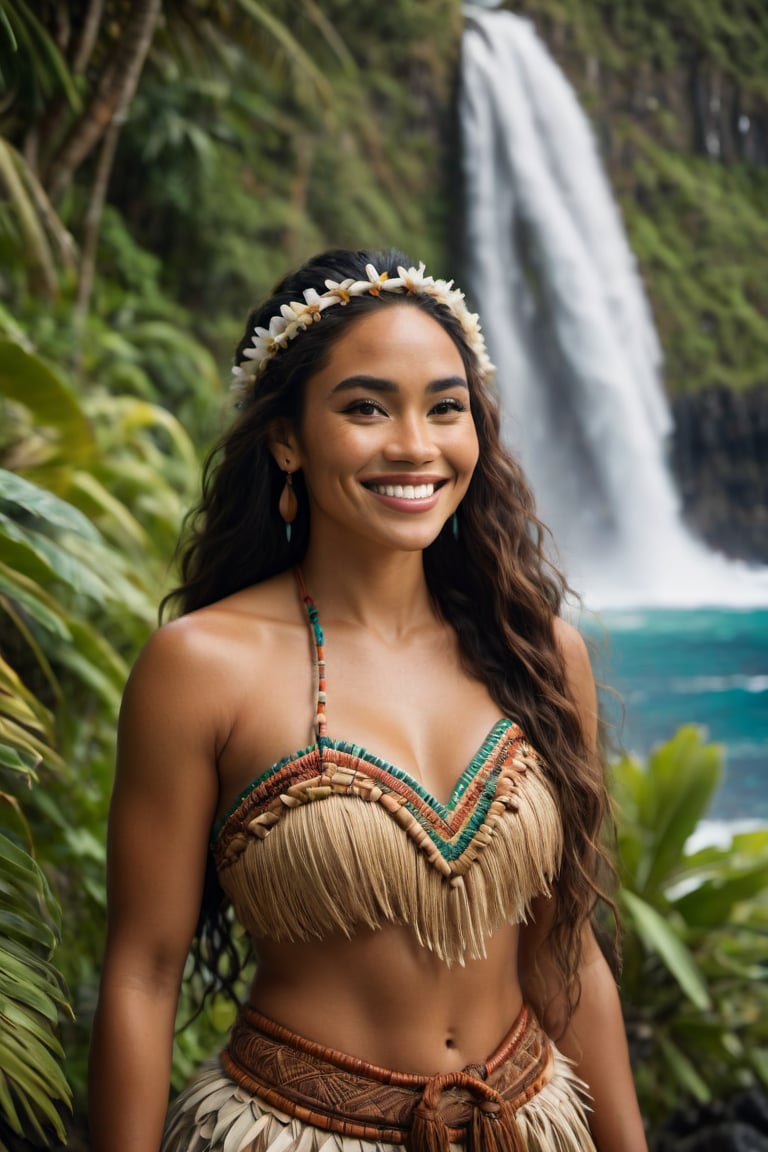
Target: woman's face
{"type": "Point", "coordinates": [387, 441]}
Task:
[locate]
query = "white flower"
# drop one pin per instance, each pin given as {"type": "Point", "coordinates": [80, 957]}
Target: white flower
{"type": "Point", "coordinates": [395, 284]}
{"type": "Point", "coordinates": [298, 315]}
{"type": "Point", "coordinates": [340, 289]}
{"type": "Point", "coordinates": [413, 279]}
{"type": "Point", "coordinates": [470, 324]}
{"type": "Point", "coordinates": [243, 376]}
{"type": "Point", "coordinates": [376, 279]}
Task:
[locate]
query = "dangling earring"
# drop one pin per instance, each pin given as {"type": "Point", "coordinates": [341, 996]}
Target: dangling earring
{"type": "Point", "coordinates": [288, 505]}
{"type": "Point", "coordinates": [455, 525]}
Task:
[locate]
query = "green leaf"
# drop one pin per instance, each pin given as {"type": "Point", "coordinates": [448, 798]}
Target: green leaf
{"type": "Point", "coordinates": [19, 1018]}
{"type": "Point", "coordinates": [92, 497]}
{"type": "Point", "coordinates": [683, 1070]}
{"type": "Point", "coordinates": [18, 709]}
{"type": "Point", "coordinates": [40, 606]}
{"type": "Point", "coordinates": [15, 176]}
{"type": "Point", "coordinates": [29, 990]}
{"type": "Point", "coordinates": [95, 663]}
{"type": "Point", "coordinates": [28, 380]}
{"type": "Point", "coordinates": [683, 775]}
{"type": "Point", "coordinates": [759, 1059]}
{"type": "Point", "coordinates": [29, 744]}
{"type": "Point", "coordinates": [8, 31]}
{"type": "Point", "coordinates": [659, 938]}
{"type": "Point", "coordinates": [712, 903]}
{"type": "Point", "coordinates": [32, 1090]}
{"type": "Point", "coordinates": [281, 33]}
{"type": "Point", "coordinates": [12, 685]}
{"type": "Point", "coordinates": [8, 1107]}
{"type": "Point", "coordinates": [23, 930]}
{"type": "Point", "coordinates": [17, 957]}
{"type": "Point", "coordinates": [43, 54]}
{"type": "Point", "coordinates": [22, 626]}
{"type": "Point", "coordinates": [13, 759]}
{"type": "Point", "coordinates": [63, 565]}
{"type": "Point", "coordinates": [48, 511]}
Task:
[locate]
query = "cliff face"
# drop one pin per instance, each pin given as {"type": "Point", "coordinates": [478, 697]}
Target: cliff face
{"type": "Point", "coordinates": [678, 96]}
{"type": "Point", "coordinates": [720, 459]}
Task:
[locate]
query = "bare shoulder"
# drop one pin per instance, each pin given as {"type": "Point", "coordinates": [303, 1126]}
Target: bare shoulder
{"type": "Point", "coordinates": [197, 667]}
{"type": "Point", "coordinates": [205, 641]}
{"type": "Point", "coordinates": [571, 643]}
{"type": "Point", "coordinates": [579, 679]}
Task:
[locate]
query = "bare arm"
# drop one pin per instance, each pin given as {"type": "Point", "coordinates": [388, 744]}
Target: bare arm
{"type": "Point", "coordinates": [162, 807]}
{"type": "Point", "coordinates": [594, 1038]}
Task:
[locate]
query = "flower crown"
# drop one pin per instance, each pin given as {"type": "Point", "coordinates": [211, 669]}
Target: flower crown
{"type": "Point", "coordinates": [298, 315]}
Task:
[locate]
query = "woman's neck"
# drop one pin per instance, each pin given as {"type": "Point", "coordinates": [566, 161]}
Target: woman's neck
{"type": "Point", "coordinates": [386, 593]}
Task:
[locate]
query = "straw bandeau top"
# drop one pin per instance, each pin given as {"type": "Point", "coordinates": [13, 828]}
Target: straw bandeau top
{"type": "Point", "coordinates": [335, 839]}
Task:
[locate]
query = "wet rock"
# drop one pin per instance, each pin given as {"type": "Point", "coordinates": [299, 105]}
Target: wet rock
{"type": "Point", "coordinates": [718, 455]}
{"type": "Point", "coordinates": [737, 1125]}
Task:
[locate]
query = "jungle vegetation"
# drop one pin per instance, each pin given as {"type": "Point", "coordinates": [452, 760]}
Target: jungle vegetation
{"type": "Point", "coordinates": [160, 165]}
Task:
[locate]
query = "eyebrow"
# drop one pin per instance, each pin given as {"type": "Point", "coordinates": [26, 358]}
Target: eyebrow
{"type": "Point", "coordinates": [380, 384]}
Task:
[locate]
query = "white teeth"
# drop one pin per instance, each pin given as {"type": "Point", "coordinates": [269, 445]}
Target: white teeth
{"type": "Point", "coordinates": [404, 491]}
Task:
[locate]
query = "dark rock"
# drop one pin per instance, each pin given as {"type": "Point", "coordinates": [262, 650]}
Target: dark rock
{"type": "Point", "coordinates": [718, 456]}
{"type": "Point", "coordinates": [722, 1138]}
{"type": "Point", "coordinates": [739, 1124]}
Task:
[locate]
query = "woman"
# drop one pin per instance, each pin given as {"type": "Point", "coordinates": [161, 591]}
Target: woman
{"type": "Point", "coordinates": [419, 893]}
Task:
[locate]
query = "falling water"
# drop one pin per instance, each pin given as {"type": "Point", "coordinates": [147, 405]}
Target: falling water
{"type": "Point", "coordinates": [571, 332]}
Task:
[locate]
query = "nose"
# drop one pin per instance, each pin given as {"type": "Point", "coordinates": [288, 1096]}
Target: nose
{"type": "Point", "coordinates": [411, 441]}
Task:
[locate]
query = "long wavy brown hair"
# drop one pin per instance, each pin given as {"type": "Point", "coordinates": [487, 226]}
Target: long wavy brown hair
{"type": "Point", "coordinates": [493, 582]}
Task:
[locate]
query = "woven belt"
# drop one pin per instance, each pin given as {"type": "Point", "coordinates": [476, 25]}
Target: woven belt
{"type": "Point", "coordinates": [344, 1094]}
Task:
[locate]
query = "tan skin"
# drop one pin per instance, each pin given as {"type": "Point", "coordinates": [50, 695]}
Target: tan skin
{"type": "Point", "coordinates": [219, 695]}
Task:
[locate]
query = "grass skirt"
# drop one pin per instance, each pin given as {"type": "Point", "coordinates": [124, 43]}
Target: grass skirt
{"type": "Point", "coordinates": [221, 1110]}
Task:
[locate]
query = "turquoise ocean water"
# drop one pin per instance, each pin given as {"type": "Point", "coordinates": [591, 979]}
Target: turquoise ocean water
{"type": "Point", "coordinates": [702, 666]}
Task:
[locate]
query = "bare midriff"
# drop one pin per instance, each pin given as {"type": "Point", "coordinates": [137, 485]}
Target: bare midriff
{"type": "Point", "coordinates": [384, 998]}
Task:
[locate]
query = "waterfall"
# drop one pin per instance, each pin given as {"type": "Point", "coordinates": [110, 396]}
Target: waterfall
{"type": "Point", "coordinates": [569, 327]}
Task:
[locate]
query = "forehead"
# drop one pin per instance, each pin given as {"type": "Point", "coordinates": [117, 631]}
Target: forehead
{"type": "Point", "coordinates": [393, 338]}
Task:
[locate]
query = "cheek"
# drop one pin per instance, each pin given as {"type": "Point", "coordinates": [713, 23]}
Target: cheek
{"type": "Point", "coordinates": [468, 450]}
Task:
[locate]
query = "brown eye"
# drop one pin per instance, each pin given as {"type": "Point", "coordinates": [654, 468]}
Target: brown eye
{"type": "Point", "coordinates": [448, 407]}
{"type": "Point", "coordinates": [365, 408]}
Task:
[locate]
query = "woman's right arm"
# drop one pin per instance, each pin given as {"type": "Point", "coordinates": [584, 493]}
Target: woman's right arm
{"type": "Point", "coordinates": [162, 808]}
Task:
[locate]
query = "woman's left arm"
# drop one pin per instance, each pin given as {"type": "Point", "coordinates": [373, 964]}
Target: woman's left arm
{"type": "Point", "coordinates": [594, 1037]}
{"type": "Point", "coordinates": [595, 1040]}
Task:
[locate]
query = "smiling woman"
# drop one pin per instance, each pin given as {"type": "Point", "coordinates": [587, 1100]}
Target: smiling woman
{"type": "Point", "coordinates": [427, 974]}
{"type": "Point", "coordinates": [387, 445]}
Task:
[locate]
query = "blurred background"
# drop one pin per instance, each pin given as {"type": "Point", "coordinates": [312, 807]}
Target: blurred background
{"type": "Point", "coordinates": [594, 173]}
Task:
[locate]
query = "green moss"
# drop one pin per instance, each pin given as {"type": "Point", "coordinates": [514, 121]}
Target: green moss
{"type": "Point", "coordinates": [701, 241]}
{"type": "Point", "coordinates": [697, 225]}
{"type": "Point", "coordinates": [296, 170]}
{"type": "Point", "coordinates": [729, 34]}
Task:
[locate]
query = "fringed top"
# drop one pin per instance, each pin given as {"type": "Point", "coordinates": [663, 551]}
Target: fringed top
{"type": "Point", "coordinates": [333, 838]}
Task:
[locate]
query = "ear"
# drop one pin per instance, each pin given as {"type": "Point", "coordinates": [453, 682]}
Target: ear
{"type": "Point", "coordinates": [284, 446]}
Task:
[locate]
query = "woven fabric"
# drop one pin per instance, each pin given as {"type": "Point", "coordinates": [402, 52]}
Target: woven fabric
{"type": "Point", "coordinates": [269, 1094]}
{"type": "Point", "coordinates": [332, 839]}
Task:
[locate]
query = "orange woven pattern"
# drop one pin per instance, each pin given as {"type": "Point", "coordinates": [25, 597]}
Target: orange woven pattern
{"type": "Point", "coordinates": [344, 1094]}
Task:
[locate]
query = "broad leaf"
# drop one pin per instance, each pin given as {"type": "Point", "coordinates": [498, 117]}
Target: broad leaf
{"type": "Point", "coordinates": [28, 380]}
{"type": "Point", "coordinates": [712, 903]}
{"type": "Point", "coordinates": [659, 938]}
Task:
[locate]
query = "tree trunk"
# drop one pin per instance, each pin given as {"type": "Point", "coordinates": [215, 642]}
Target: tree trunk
{"type": "Point", "coordinates": [88, 35]}
{"type": "Point", "coordinates": [45, 137]}
{"type": "Point", "coordinates": [113, 94]}
{"type": "Point", "coordinates": [92, 227]}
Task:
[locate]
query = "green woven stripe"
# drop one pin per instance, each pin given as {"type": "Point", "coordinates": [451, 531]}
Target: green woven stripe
{"type": "Point", "coordinates": [450, 847]}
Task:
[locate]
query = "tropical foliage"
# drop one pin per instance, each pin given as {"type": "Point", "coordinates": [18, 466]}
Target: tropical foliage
{"type": "Point", "coordinates": [695, 980]}
{"type": "Point", "coordinates": [160, 165]}
{"type": "Point", "coordinates": [79, 577]}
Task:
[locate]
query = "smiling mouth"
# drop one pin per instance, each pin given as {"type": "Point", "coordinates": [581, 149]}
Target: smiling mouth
{"type": "Point", "coordinates": [404, 491]}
